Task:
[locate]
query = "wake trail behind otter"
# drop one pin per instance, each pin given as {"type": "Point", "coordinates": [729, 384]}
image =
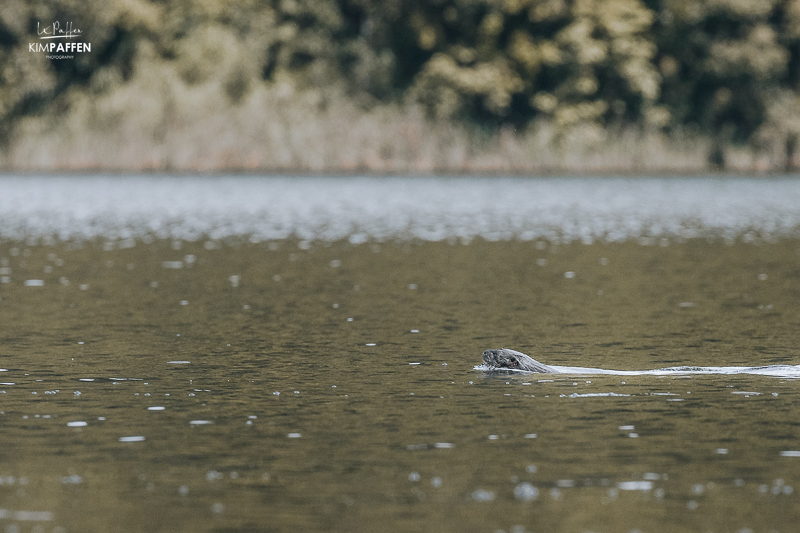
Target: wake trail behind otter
{"type": "Point", "coordinates": [779, 371]}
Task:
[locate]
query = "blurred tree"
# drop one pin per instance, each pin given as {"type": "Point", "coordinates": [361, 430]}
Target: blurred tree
{"type": "Point", "coordinates": [580, 63]}
{"type": "Point", "coordinates": [30, 83]}
{"type": "Point", "coordinates": [729, 69]}
{"type": "Point", "coordinates": [720, 61]}
{"type": "Point", "coordinates": [321, 43]}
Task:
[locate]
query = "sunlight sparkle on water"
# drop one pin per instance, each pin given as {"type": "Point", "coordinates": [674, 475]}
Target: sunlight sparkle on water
{"type": "Point", "coordinates": [320, 209]}
{"type": "Point", "coordinates": [277, 284]}
{"type": "Point", "coordinates": [635, 485]}
{"type": "Point", "coordinates": [132, 438]}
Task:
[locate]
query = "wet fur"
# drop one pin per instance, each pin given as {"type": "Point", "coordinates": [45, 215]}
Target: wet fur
{"type": "Point", "coordinates": [503, 358]}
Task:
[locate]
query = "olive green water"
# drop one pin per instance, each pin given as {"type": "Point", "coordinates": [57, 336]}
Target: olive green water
{"type": "Point", "coordinates": [331, 387]}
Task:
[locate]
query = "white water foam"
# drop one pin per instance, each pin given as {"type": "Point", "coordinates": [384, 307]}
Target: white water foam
{"type": "Point", "coordinates": [365, 209]}
{"type": "Point", "coordinates": [778, 371]}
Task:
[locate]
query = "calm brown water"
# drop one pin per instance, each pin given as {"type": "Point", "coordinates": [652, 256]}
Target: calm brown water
{"type": "Point", "coordinates": [330, 387]}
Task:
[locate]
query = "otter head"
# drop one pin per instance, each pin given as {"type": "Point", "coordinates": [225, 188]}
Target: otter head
{"type": "Point", "coordinates": [502, 358]}
{"type": "Point", "coordinates": [505, 359]}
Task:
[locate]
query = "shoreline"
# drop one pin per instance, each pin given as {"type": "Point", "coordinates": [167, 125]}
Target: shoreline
{"type": "Point", "coordinates": [272, 172]}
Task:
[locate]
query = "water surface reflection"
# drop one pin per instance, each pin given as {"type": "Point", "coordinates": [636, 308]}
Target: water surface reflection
{"type": "Point", "coordinates": [288, 386]}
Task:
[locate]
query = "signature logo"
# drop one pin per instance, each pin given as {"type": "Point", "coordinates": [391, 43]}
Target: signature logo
{"type": "Point", "coordinates": [56, 31]}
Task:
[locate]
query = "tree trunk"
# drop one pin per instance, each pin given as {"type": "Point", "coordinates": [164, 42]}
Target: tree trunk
{"type": "Point", "coordinates": [716, 157]}
{"type": "Point", "coordinates": [791, 153]}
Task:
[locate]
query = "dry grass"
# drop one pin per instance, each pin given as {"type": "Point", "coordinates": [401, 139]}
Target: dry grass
{"type": "Point", "coordinates": [160, 123]}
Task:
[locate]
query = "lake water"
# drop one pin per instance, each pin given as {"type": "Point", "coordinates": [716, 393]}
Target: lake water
{"type": "Point", "coordinates": [296, 354]}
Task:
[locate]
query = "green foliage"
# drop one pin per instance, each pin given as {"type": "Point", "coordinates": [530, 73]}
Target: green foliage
{"type": "Point", "coordinates": [721, 60]}
{"type": "Point", "coordinates": [729, 69]}
{"type": "Point", "coordinates": [576, 63]}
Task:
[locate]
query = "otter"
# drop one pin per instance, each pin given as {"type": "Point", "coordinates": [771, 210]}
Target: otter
{"type": "Point", "coordinates": [505, 359]}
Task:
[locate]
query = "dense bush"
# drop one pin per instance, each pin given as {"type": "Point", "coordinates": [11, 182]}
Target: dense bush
{"type": "Point", "coordinates": [726, 69]}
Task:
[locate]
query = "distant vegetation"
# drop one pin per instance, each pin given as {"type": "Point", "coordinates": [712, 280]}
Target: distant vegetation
{"type": "Point", "coordinates": [459, 85]}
